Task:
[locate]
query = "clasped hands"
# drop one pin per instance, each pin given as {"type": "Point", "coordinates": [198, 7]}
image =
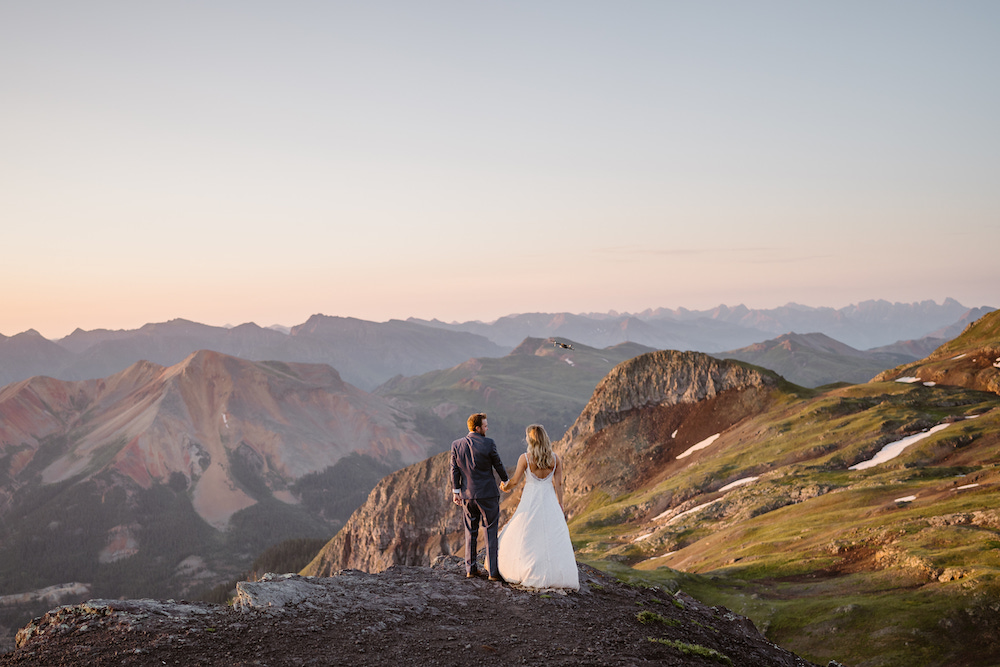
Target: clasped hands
{"type": "Point", "coordinates": [505, 487]}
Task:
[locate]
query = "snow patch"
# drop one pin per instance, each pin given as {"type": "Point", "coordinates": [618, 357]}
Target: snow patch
{"type": "Point", "coordinates": [967, 486]}
{"type": "Point", "coordinates": [909, 379]}
{"type": "Point", "coordinates": [930, 384]}
{"type": "Point", "coordinates": [569, 361]}
{"type": "Point", "coordinates": [905, 499]}
{"type": "Point", "coordinates": [642, 537]}
{"type": "Point", "coordinates": [739, 482]}
{"type": "Point", "coordinates": [894, 449]}
{"type": "Point", "coordinates": [674, 434]}
{"type": "Point", "coordinates": [693, 509]}
{"type": "Point", "coordinates": [225, 420]}
{"type": "Point", "coordinates": [958, 357]}
{"type": "Point", "coordinates": [701, 445]}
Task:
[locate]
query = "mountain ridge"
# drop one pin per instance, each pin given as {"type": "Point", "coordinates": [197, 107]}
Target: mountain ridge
{"type": "Point", "coordinates": [865, 325]}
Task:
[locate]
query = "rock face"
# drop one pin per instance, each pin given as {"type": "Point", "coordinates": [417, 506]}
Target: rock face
{"type": "Point", "coordinates": [409, 518]}
{"type": "Point", "coordinates": [662, 378]}
{"type": "Point", "coordinates": [405, 615]}
{"type": "Point", "coordinates": [971, 360]}
{"type": "Point", "coordinates": [647, 412]}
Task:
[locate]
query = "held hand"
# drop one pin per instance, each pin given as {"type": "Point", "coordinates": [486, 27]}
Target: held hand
{"type": "Point", "coordinates": [503, 487]}
{"type": "Point", "coordinates": [456, 498]}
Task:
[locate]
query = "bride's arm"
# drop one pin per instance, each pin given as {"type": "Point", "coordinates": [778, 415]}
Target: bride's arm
{"type": "Point", "coordinates": [522, 464]}
{"type": "Point", "coordinates": [557, 482]}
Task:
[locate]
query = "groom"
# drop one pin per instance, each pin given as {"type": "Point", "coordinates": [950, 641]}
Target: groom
{"type": "Point", "coordinates": [473, 460]}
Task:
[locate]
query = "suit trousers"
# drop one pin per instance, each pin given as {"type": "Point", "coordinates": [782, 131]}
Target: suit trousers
{"type": "Point", "coordinates": [486, 511]}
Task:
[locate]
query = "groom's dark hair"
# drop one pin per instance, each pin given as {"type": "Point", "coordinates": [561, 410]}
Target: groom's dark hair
{"type": "Point", "coordinates": [476, 420]}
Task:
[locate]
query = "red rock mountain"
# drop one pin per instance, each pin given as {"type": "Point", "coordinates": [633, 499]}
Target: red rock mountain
{"type": "Point", "coordinates": [150, 422]}
{"type": "Point", "coordinates": [166, 481]}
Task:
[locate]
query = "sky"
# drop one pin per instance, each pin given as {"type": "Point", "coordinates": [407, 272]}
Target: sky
{"type": "Point", "coordinates": [237, 161]}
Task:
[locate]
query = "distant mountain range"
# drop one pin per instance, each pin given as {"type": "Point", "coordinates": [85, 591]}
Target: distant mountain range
{"type": "Point", "coordinates": [367, 354]}
{"type": "Point", "coordinates": [862, 326]}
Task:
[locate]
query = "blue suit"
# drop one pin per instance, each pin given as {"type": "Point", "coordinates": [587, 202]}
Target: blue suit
{"type": "Point", "coordinates": [473, 460]}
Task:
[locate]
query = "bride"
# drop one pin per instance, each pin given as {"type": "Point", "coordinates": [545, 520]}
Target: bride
{"type": "Point", "coordinates": [534, 547]}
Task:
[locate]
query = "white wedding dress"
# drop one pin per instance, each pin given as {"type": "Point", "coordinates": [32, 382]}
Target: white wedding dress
{"type": "Point", "coordinates": [534, 547]}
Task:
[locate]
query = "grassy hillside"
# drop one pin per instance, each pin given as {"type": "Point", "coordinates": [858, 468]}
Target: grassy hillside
{"type": "Point", "coordinates": [896, 564]}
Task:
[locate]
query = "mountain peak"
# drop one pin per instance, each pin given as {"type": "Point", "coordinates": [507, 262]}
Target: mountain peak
{"type": "Point", "coordinates": [30, 333]}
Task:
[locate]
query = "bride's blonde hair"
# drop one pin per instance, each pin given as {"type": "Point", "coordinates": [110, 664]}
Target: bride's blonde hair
{"type": "Point", "coordinates": [539, 446]}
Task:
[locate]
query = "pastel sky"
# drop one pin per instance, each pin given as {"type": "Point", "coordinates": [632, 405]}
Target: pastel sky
{"type": "Point", "coordinates": [236, 161]}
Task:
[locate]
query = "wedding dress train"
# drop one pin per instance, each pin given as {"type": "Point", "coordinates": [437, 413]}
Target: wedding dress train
{"type": "Point", "coordinates": [535, 550]}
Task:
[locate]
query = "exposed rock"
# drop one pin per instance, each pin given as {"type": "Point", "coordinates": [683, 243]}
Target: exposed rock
{"type": "Point", "coordinates": [408, 519]}
{"type": "Point", "coordinates": [893, 556]}
{"type": "Point", "coordinates": [953, 574]}
{"type": "Point", "coordinates": [665, 377]}
{"type": "Point", "coordinates": [648, 411]}
{"type": "Point", "coordinates": [405, 615]}
{"type": "Point", "coordinates": [49, 594]}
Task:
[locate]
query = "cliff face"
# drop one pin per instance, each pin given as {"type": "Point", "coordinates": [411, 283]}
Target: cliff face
{"type": "Point", "coordinates": [622, 439]}
{"type": "Point", "coordinates": [661, 378]}
{"type": "Point", "coordinates": [408, 519]}
{"type": "Point", "coordinates": [647, 412]}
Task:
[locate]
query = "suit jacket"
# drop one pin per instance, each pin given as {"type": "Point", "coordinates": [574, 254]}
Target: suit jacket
{"type": "Point", "coordinates": [473, 460]}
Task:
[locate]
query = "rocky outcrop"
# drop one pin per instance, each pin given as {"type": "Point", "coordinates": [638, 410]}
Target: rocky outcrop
{"type": "Point", "coordinates": [405, 615]}
{"type": "Point", "coordinates": [408, 519]}
{"type": "Point", "coordinates": [647, 412]}
{"type": "Point", "coordinates": [661, 378]}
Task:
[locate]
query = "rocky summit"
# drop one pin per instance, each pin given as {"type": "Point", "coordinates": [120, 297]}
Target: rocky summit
{"type": "Point", "coordinates": [405, 615]}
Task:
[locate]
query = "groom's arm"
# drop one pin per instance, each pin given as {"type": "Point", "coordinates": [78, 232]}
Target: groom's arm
{"type": "Point", "coordinates": [456, 475]}
{"type": "Point", "coordinates": [497, 463]}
